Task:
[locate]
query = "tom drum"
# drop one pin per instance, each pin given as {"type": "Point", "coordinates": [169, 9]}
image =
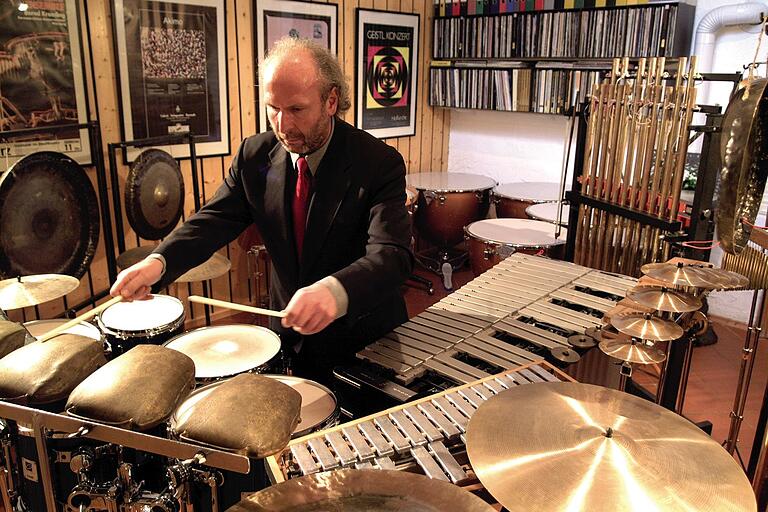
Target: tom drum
{"type": "Point", "coordinates": [547, 212]}
{"type": "Point", "coordinates": [511, 199]}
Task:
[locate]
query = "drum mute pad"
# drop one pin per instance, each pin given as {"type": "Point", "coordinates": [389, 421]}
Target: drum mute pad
{"type": "Point", "coordinates": [41, 373]}
{"type": "Point", "coordinates": [138, 390]}
{"type": "Point", "coordinates": [249, 414]}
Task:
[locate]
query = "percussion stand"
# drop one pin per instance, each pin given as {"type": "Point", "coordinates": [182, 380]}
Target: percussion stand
{"type": "Point", "coordinates": [443, 261]}
{"type": "Point", "coordinates": [625, 373]}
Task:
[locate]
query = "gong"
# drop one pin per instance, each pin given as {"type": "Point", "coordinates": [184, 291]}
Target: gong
{"type": "Point", "coordinates": [154, 194]}
{"type": "Point", "coordinates": [49, 217]}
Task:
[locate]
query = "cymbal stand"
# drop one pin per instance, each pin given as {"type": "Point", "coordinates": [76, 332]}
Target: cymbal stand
{"type": "Point", "coordinates": [625, 373]}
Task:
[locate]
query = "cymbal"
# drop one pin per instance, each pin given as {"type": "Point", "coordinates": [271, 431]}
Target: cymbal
{"type": "Point", "coordinates": [581, 341]}
{"type": "Point", "coordinates": [565, 355]}
{"type": "Point", "coordinates": [570, 446]}
{"type": "Point", "coordinates": [217, 265]}
{"type": "Point", "coordinates": [33, 290]}
{"type": "Point", "coordinates": [647, 327]}
{"type": "Point", "coordinates": [632, 352]}
{"type": "Point", "coordinates": [726, 279]}
{"type": "Point", "coordinates": [680, 275]}
{"type": "Point", "coordinates": [133, 256]}
{"type": "Point", "coordinates": [353, 490]}
{"type": "Point", "coordinates": [664, 299]}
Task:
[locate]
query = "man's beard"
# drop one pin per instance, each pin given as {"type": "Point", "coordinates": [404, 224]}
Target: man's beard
{"type": "Point", "coordinates": [311, 142]}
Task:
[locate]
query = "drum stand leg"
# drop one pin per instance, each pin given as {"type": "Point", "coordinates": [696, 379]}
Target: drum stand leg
{"type": "Point", "coordinates": [443, 262]}
{"type": "Point", "coordinates": [44, 462]}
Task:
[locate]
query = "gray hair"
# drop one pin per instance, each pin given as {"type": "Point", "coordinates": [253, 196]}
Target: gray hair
{"type": "Point", "coordinates": [330, 73]}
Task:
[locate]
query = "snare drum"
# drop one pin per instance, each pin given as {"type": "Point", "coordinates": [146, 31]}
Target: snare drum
{"type": "Point", "coordinates": [227, 350]}
{"type": "Point", "coordinates": [492, 240]}
{"type": "Point", "coordinates": [38, 328]}
{"type": "Point", "coordinates": [153, 321]}
{"type": "Point", "coordinates": [511, 199]}
{"type": "Point", "coordinates": [447, 202]}
{"type": "Point", "coordinates": [547, 212]}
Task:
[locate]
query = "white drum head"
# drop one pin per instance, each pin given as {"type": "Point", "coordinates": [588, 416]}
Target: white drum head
{"type": "Point", "coordinates": [39, 327]}
{"type": "Point", "coordinates": [517, 232]}
{"type": "Point", "coordinates": [547, 212]}
{"type": "Point", "coordinates": [533, 191]}
{"type": "Point", "coordinates": [449, 181]}
{"type": "Point", "coordinates": [142, 315]}
{"type": "Point", "coordinates": [318, 403]}
{"type": "Point", "coordinates": [226, 350]}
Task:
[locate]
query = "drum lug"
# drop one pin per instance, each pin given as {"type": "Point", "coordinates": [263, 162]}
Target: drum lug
{"type": "Point", "coordinates": [429, 196]}
{"type": "Point", "coordinates": [480, 195]}
{"type": "Point", "coordinates": [489, 252]}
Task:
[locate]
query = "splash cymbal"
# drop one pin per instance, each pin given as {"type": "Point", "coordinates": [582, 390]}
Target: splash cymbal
{"type": "Point", "coordinates": [133, 256]}
{"type": "Point", "coordinates": [632, 352]}
{"type": "Point", "coordinates": [726, 279]}
{"type": "Point", "coordinates": [663, 299]}
{"type": "Point", "coordinates": [33, 290]}
{"type": "Point", "coordinates": [647, 327]}
{"type": "Point", "coordinates": [570, 446]}
{"type": "Point", "coordinates": [582, 341]}
{"type": "Point", "coordinates": [217, 265]}
{"type": "Point", "coordinates": [353, 490]}
{"type": "Point", "coordinates": [565, 355]}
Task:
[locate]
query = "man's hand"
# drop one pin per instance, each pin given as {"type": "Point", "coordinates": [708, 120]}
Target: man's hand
{"type": "Point", "coordinates": [135, 282]}
{"type": "Point", "coordinates": [311, 309]}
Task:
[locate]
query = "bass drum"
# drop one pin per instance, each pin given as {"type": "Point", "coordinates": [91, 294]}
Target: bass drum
{"type": "Point", "coordinates": [492, 240]}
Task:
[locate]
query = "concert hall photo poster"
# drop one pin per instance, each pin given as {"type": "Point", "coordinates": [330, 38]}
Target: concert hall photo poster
{"type": "Point", "coordinates": [386, 62]}
{"type": "Point", "coordinates": [276, 19]}
{"type": "Point", "coordinates": [42, 81]}
{"type": "Point", "coordinates": [172, 71]}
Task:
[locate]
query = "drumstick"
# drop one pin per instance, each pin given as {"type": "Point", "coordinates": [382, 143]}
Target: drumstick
{"type": "Point", "coordinates": [85, 316]}
{"type": "Point", "coordinates": [238, 307]}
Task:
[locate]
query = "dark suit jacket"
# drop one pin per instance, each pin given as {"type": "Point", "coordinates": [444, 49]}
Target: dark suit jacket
{"type": "Point", "coordinates": [357, 230]}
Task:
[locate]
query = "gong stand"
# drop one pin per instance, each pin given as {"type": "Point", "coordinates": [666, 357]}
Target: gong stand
{"type": "Point", "coordinates": [97, 161]}
{"type": "Point", "coordinates": [166, 140]}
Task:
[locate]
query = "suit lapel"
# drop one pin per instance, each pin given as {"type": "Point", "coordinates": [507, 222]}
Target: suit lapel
{"type": "Point", "coordinates": [276, 205]}
{"type": "Point", "coordinates": [331, 183]}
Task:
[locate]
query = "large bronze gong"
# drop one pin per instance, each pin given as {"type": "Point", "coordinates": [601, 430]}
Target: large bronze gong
{"type": "Point", "coordinates": [49, 217]}
{"type": "Point", "coordinates": [154, 194]}
{"type": "Point", "coordinates": [744, 151]}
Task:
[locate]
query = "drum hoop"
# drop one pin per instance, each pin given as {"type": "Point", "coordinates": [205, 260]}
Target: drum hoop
{"type": "Point", "coordinates": [452, 190]}
{"type": "Point", "coordinates": [333, 416]}
{"type": "Point", "coordinates": [63, 321]}
{"type": "Point", "coordinates": [524, 199]}
{"type": "Point", "coordinates": [514, 245]}
{"type": "Point", "coordinates": [143, 333]}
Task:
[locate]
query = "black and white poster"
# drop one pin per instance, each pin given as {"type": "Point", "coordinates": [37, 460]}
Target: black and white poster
{"type": "Point", "coordinates": [41, 80]}
{"type": "Point", "coordinates": [172, 64]}
{"type": "Point", "coordinates": [387, 59]}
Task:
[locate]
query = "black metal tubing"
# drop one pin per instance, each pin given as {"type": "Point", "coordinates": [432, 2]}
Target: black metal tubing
{"type": "Point", "coordinates": [576, 198]}
{"type": "Point", "coordinates": [578, 165]}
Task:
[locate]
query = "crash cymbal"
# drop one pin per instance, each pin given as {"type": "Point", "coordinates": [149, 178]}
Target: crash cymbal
{"type": "Point", "coordinates": [646, 327]}
{"type": "Point", "coordinates": [664, 299]}
{"type": "Point", "coordinates": [632, 351]}
{"type": "Point", "coordinates": [680, 275]}
{"type": "Point", "coordinates": [133, 256]}
{"type": "Point", "coordinates": [570, 446]}
{"type": "Point", "coordinates": [581, 341]}
{"type": "Point", "coordinates": [565, 355]}
{"type": "Point", "coordinates": [357, 490]}
{"type": "Point", "coordinates": [217, 265]}
{"type": "Point", "coordinates": [725, 279]}
{"type": "Point", "coordinates": [33, 290]}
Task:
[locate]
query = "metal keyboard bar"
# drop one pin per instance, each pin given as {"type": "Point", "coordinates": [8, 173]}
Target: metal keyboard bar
{"type": "Point", "coordinates": [383, 360]}
{"type": "Point", "coordinates": [431, 324]}
{"type": "Point", "coordinates": [467, 319]}
{"type": "Point", "coordinates": [486, 356]}
{"type": "Point", "coordinates": [421, 421]}
{"type": "Point", "coordinates": [531, 333]}
{"type": "Point", "coordinates": [405, 349]}
{"type": "Point", "coordinates": [452, 322]}
{"type": "Point", "coordinates": [450, 338]}
{"type": "Point", "coordinates": [493, 386]}
{"type": "Point", "coordinates": [369, 430]}
{"type": "Point", "coordinates": [413, 434]}
{"type": "Point", "coordinates": [501, 298]}
{"type": "Point", "coordinates": [530, 375]}
{"type": "Point", "coordinates": [395, 355]}
{"type": "Point", "coordinates": [466, 407]}
{"type": "Point", "coordinates": [457, 417]}
{"type": "Point", "coordinates": [482, 391]}
{"type": "Point", "coordinates": [426, 338]}
{"type": "Point", "coordinates": [544, 373]}
{"type": "Point", "coordinates": [393, 435]}
{"type": "Point", "coordinates": [427, 463]}
{"type": "Point", "coordinates": [472, 397]}
{"type": "Point", "coordinates": [447, 462]}
{"type": "Point", "coordinates": [384, 463]}
{"type": "Point", "coordinates": [452, 308]}
{"type": "Point", "coordinates": [448, 428]}
{"type": "Point", "coordinates": [487, 343]}
{"type": "Point", "coordinates": [413, 342]}
{"type": "Point", "coordinates": [304, 459]}
{"type": "Point", "coordinates": [461, 366]}
{"type": "Point", "coordinates": [324, 455]}
{"type": "Point", "coordinates": [447, 371]}
{"type": "Point", "coordinates": [364, 465]}
{"type": "Point", "coordinates": [359, 445]}
{"type": "Point", "coordinates": [340, 446]}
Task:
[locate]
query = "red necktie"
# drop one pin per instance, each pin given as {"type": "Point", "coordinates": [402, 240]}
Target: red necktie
{"type": "Point", "coordinates": [301, 202]}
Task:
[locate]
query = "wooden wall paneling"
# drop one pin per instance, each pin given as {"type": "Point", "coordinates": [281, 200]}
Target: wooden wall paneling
{"type": "Point", "coordinates": [246, 68]}
{"type": "Point", "coordinates": [347, 50]}
{"type": "Point", "coordinates": [446, 126]}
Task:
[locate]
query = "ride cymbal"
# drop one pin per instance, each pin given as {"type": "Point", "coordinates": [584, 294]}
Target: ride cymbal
{"type": "Point", "coordinates": [28, 291]}
{"type": "Point", "coordinates": [569, 446]}
{"type": "Point", "coordinates": [647, 327]}
{"type": "Point", "coordinates": [661, 298]}
{"type": "Point", "coordinates": [632, 352]}
{"type": "Point", "coordinates": [356, 490]}
{"type": "Point", "coordinates": [217, 265]}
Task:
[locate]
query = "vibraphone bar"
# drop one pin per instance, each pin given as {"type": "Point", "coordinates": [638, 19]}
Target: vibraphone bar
{"type": "Point", "coordinates": [425, 436]}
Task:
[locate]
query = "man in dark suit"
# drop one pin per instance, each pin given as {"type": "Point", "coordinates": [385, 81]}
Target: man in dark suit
{"type": "Point", "coordinates": [329, 202]}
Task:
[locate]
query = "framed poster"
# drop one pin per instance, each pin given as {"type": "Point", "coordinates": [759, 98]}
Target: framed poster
{"type": "Point", "coordinates": [171, 57]}
{"type": "Point", "coordinates": [386, 68]}
{"type": "Point", "coordinates": [276, 19]}
{"type": "Point", "coordinates": [42, 81]}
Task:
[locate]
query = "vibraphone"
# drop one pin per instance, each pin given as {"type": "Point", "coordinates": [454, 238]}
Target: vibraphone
{"type": "Point", "coordinates": [521, 311]}
{"type": "Point", "coordinates": [426, 436]}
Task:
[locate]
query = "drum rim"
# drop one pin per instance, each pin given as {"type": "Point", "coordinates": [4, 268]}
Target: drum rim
{"type": "Point", "coordinates": [548, 221]}
{"type": "Point", "coordinates": [331, 417]}
{"type": "Point", "coordinates": [498, 193]}
{"type": "Point", "coordinates": [216, 378]}
{"type": "Point", "coordinates": [143, 333]}
{"type": "Point", "coordinates": [63, 321]}
{"type": "Point", "coordinates": [469, 235]}
{"type": "Point", "coordinates": [449, 190]}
